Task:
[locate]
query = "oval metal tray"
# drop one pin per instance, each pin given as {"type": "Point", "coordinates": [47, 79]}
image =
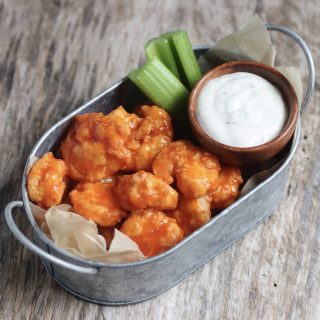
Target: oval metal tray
{"type": "Point", "coordinates": [118, 284]}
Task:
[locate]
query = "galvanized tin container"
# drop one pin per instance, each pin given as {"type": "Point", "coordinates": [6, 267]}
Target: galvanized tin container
{"type": "Point", "coordinates": [118, 284]}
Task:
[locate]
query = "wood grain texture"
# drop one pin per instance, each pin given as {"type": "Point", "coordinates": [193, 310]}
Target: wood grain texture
{"type": "Point", "coordinates": [56, 54]}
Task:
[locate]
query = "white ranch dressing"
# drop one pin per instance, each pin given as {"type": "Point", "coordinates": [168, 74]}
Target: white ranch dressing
{"type": "Point", "coordinates": [241, 109]}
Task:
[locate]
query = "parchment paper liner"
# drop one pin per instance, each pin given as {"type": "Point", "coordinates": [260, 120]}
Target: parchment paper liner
{"type": "Point", "coordinates": [253, 42]}
{"type": "Point", "coordinates": [79, 236]}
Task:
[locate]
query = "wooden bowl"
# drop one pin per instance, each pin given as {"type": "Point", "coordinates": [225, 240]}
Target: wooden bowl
{"type": "Point", "coordinates": [239, 156]}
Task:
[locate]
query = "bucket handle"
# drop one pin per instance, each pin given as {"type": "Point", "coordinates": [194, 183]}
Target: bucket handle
{"type": "Point", "coordinates": [307, 54]}
{"type": "Point", "coordinates": [34, 248]}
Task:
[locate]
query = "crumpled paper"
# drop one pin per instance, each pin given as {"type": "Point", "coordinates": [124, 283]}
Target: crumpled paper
{"type": "Point", "coordinates": [38, 213]}
{"type": "Point", "coordinates": [79, 236]}
{"type": "Point", "coordinates": [294, 76]}
{"type": "Point", "coordinates": [253, 42]}
{"type": "Point", "coordinates": [258, 178]}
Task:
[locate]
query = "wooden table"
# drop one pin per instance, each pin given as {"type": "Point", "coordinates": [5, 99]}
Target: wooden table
{"type": "Point", "coordinates": [55, 55]}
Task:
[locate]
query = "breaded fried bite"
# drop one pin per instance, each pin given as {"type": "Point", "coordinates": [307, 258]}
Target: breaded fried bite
{"type": "Point", "coordinates": [96, 201]}
{"type": "Point", "coordinates": [227, 190]}
{"type": "Point", "coordinates": [143, 190]}
{"type": "Point", "coordinates": [194, 169]}
{"type": "Point", "coordinates": [153, 134]}
{"type": "Point", "coordinates": [46, 181]}
{"type": "Point", "coordinates": [191, 214]}
{"type": "Point", "coordinates": [98, 145]}
{"type": "Point", "coordinates": [153, 231]}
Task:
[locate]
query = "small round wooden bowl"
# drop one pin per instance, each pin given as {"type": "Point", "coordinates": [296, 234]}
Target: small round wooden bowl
{"type": "Point", "coordinates": [253, 155]}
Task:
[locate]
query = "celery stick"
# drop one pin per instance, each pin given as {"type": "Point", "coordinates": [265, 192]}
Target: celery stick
{"type": "Point", "coordinates": [160, 48]}
{"type": "Point", "coordinates": [186, 60]}
{"type": "Point", "coordinates": [159, 84]}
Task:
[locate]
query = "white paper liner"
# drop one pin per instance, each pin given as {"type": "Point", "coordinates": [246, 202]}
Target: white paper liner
{"type": "Point", "coordinates": [294, 76]}
{"type": "Point", "coordinates": [259, 177]}
{"type": "Point", "coordinates": [123, 249]}
{"type": "Point", "coordinates": [38, 213]}
{"type": "Point", "coordinates": [79, 236]}
{"type": "Point", "coordinates": [253, 42]}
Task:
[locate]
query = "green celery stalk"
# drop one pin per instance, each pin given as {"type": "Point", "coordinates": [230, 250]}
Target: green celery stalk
{"type": "Point", "coordinates": [186, 61]}
{"type": "Point", "coordinates": [160, 48]}
{"type": "Point", "coordinates": [159, 84]}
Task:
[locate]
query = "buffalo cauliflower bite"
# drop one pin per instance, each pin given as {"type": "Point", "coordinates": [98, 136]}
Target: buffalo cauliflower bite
{"type": "Point", "coordinates": [46, 181]}
{"type": "Point", "coordinates": [95, 201]}
{"type": "Point", "coordinates": [99, 145]}
{"type": "Point", "coordinates": [191, 214]}
{"type": "Point", "coordinates": [154, 132]}
{"type": "Point", "coordinates": [144, 190]}
{"type": "Point", "coordinates": [229, 181]}
{"type": "Point", "coordinates": [153, 231]}
{"type": "Point", "coordinates": [194, 169]}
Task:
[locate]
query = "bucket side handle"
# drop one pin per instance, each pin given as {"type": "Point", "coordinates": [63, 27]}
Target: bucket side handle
{"type": "Point", "coordinates": [307, 54]}
{"type": "Point", "coordinates": [34, 248]}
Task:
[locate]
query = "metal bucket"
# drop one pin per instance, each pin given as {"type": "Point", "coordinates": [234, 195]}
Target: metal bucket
{"type": "Point", "coordinates": [119, 284]}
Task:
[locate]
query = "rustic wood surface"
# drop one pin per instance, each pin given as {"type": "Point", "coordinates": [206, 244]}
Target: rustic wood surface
{"type": "Point", "coordinates": [56, 54]}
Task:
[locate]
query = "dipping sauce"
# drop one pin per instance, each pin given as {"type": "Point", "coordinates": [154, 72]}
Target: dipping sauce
{"type": "Point", "coordinates": [241, 109]}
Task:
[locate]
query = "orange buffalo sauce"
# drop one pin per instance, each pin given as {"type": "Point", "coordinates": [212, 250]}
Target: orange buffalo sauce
{"type": "Point", "coordinates": [95, 201]}
{"type": "Point", "coordinates": [153, 231]}
{"type": "Point", "coordinates": [46, 181]}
